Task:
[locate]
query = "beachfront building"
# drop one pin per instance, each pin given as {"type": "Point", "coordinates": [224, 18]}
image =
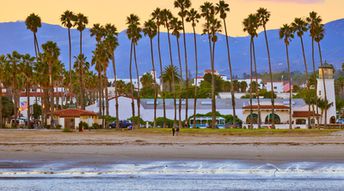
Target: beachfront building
{"type": "Point", "coordinates": [70, 118]}
{"type": "Point", "coordinates": [223, 106]}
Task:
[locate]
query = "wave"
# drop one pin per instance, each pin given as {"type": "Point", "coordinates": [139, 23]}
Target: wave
{"type": "Point", "coordinates": [224, 169]}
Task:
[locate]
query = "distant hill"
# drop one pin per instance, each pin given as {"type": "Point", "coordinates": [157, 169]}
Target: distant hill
{"type": "Point", "coordinates": [15, 36]}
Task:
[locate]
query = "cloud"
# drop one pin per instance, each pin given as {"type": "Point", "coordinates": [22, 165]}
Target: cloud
{"type": "Point", "coordinates": [294, 1]}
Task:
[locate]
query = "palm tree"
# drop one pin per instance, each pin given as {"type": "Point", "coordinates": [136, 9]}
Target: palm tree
{"type": "Point", "coordinates": [208, 12]}
{"type": "Point", "coordinates": [67, 19]}
{"type": "Point", "coordinates": [313, 20]}
{"type": "Point", "coordinates": [251, 26]}
{"type": "Point", "coordinates": [264, 17]}
{"type": "Point", "coordinates": [184, 5]}
{"type": "Point", "coordinates": [193, 16]}
{"type": "Point", "coordinates": [166, 17]}
{"type": "Point", "coordinates": [50, 55]}
{"type": "Point", "coordinates": [156, 15]}
{"type": "Point", "coordinates": [176, 27]}
{"type": "Point", "coordinates": [287, 34]}
{"type": "Point", "coordinates": [318, 36]}
{"type": "Point", "coordinates": [80, 22]}
{"type": "Point", "coordinates": [324, 105]}
{"type": "Point", "coordinates": [100, 59]}
{"type": "Point", "coordinates": [3, 62]}
{"type": "Point", "coordinates": [170, 75]}
{"type": "Point", "coordinates": [111, 42]}
{"type": "Point", "coordinates": [222, 8]}
{"type": "Point", "coordinates": [14, 60]}
{"type": "Point", "coordinates": [300, 26]}
{"type": "Point", "coordinates": [134, 34]}
{"type": "Point", "coordinates": [33, 22]}
{"type": "Point", "coordinates": [150, 29]}
{"type": "Point", "coordinates": [26, 70]}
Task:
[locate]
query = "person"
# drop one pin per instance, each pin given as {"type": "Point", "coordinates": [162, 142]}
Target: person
{"type": "Point", "coordinates": [173, 131]}
{"type": "Point", "coordinates": [177, 131]}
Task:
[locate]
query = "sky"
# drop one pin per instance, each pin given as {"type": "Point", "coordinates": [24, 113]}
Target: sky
{"type": "Point", "coordinates": [116, 11]}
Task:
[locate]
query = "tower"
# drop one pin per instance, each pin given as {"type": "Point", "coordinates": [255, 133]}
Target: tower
{"type": "Point", "coordinates": [326, 73]}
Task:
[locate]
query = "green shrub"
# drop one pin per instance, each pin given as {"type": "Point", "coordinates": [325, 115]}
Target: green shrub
{"type": "Point", "coordinates": [95, 126]}
{"type": "Point", "coordinates": [160, 122]}
{"type": "Point", "coordinates": [137, 120]}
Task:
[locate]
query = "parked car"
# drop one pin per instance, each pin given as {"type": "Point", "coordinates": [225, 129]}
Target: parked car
{"type": "Point", "coordinates": [122, 124]}
{"type": "Point", "coordinates": [340, 121]}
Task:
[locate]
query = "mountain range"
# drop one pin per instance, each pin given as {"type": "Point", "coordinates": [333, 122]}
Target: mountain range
{"type": "Point", "coordinates": [15, 36]}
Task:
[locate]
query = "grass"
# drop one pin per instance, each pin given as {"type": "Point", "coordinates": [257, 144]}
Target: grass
{"type": "Point", "coordinates": [229, 132]}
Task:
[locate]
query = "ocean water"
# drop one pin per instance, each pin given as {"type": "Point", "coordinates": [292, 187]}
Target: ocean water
{"type": "Point", "coordinates": [170, 175]}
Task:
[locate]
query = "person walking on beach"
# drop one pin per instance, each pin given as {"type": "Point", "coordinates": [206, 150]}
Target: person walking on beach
{"type": "Point", "coordinates": [173, 131]}
{"type": "Point", "coordinates": [177, 131]}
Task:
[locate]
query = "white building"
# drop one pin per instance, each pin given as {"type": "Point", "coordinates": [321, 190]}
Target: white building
{"type": "Point", "coordinates": [326, 73]}
{"type": "Point", "coordinates": [278, 87]}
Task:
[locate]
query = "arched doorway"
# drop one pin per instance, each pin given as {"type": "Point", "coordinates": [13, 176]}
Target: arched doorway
{"type": "Point", "coordinates": [268, 119]}
{"type": "Point", "coordinates": [254, 118]}
{"type": "Point", "coordinates": [333, 120]}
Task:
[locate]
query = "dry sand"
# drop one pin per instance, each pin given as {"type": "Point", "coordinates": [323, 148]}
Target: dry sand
{"type": "Point", "coordinates": [109, 147]}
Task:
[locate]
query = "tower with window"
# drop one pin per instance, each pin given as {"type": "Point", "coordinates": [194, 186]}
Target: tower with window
{"type": "Point", "coordinates": [326, 72]}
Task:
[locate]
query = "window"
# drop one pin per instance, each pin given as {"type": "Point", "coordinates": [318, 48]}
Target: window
{"type": "Point", "coordinates": [320, 93]}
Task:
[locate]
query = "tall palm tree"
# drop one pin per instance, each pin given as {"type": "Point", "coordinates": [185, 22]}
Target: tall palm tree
{"type": "Point", "coordinates": [170, 75]}
{"type": "Point", "coordinates": [150, 29]}
{"type": "Point", "coordinates": [67, 19]}
{"type": "Point", "coordinates": [26, 70]}
{"type": "Point", "coordinates": [3, 61]}
{"type": "Point", "coordinates": [100, 59]}
{"type": "Point", "coordinates": [313, 20]}
{"type": "Point", "coordinates": [80, 22]}
{"type": "Point", "coordinates": [111, 42]}
{"type": "Point", "coordinates": [208, 12]}
{"type": "Point", "coordinates": [183, 6]}
{"type": "Point", "coordinates": [33, 22]}
{"type": "Point", "coordinates": [134, 34]}
{"type": "Point", "coordinates": [166, 17]}
{"type": "Point", "coordinates": [193, 16]}
{"type": "Point", "coordinates": [222, 8]}
{"type": "Point", "coordinates": [319, 33]}
{"type": "Point", "coordinates": [264, 17]}
{"type": "Point", "coordinates": [300, 26]}
{"type": "Point", "coordinates": [50, 55]}
{"type": "Point", "coordinates": [287, 34]}
{"type": "Point", "coordinates": [176, 27]}
{"type": "Point", "coordinates": [156, 16]}
{"type": "Point", "coordinates": [14, 59]}
{"type": "Point", "coordinates": [251, 26]}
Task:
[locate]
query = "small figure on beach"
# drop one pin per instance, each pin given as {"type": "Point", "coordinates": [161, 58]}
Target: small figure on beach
{"type": "Point", "coordinates": [173, 131]}
{"type": "Point", "coordinates": [177, 131]}
{"type": "Point", "coordinates": [186, 125]}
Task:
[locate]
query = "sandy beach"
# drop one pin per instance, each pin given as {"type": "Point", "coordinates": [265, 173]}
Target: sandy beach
{"type": "Point", "coordinates": [114, 146]}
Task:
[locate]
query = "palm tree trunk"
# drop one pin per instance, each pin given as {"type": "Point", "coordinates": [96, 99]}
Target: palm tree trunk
{"type": "Point", "coordinates": [186, 73]}
{"type": "Point", "coordinates": [307, 82]}
{"type": "Point", "coordinates": [180, 84]}
{"type": "Point", "coordinates": [316, 87]}
{"type": "Point", "coordinates": [324, 84]}
{"type": "Point", "coordinates": [116, 92]}
{"type": "Point", "coordinates": [100, 94]}
{"type": "Point", "coordinates": [106, 95]}
{"type": "Point", "coordinates": [1, 121]}
{"type": "Point", "coordinates": [271, 80]}
{"type": "Point", "coordinates": [131, 82]}
{"type": "Point", "coordinates": [28, 104]}
{"type": "Point", "coordinates": [51, 97]}
{"type": "Point", "coordinates": [251, 89]}
{"type": "Point", "coordinates": [154, 78]}
{"type": "Point", "coordinates": [138, 85]}
{"type": "Point", "coordinates": [36, 41]}
{"type": "Point", "coordinates": [213, 100]}
{"type": "Point", "coordinates": [230, 73]}
{"type": "Point", "coordinates": [173, 83]}
{"type": "Point", "coordinates": [14, 92]}
{"type": "Point", "coordinates": [257, 89]}
{"type": "Point", "coordinates": [196, 60]}
{"type": "Point", "coordinates": [290, 89]}
{"type": "Point", "coordinates": [161, 80]}
{"type": "Point", "coordinates": [70, 63]}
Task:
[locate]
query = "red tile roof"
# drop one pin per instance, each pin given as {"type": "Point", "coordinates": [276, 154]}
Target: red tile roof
{"type": "Point", "coordinates": [304, 114]}
{"type": "Point", "coordinates": [266, 107]}
{"type": "Point", "coordinates": [74, 113]}
{"type": "Point", "coordinates": [41, 94]}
